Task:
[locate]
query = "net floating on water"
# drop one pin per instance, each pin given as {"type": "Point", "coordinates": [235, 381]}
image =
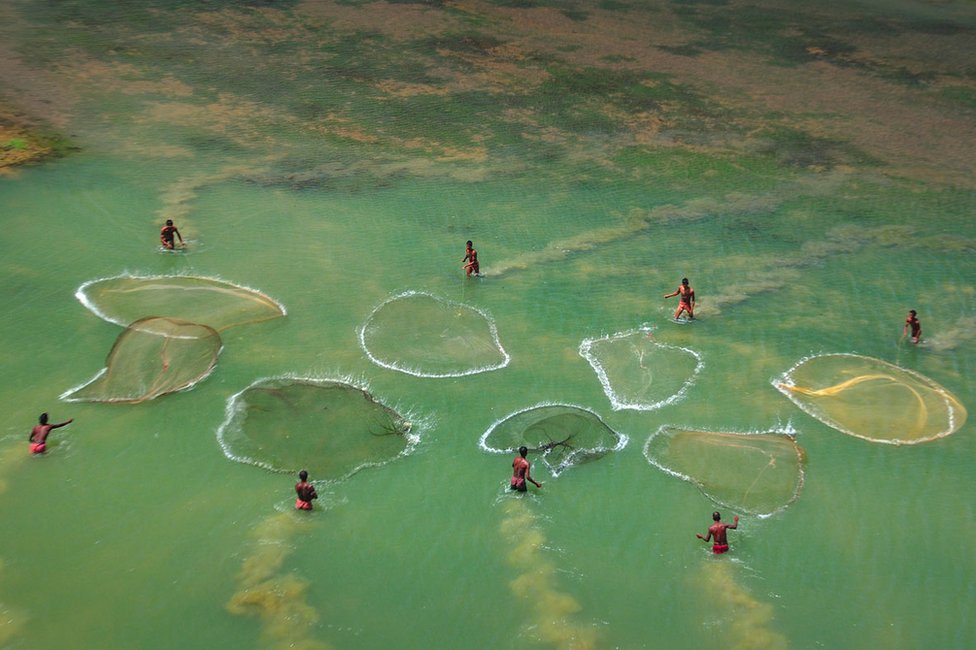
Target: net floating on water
{"type": "Point", "coordinates": [218, 304]}
{"type": "Point", "coordinates": [757, 473]}
{"type": "Point", "coordinates": [333, 429]}
{"type": "Point", "coordinates": [427, 336]}
{"type": "Point", "coordinates": [564, 435]}
{"type": "Point", "coordinates": [639, 373]}
{"type": "Point", "coordinates": [152, 357]}
{"type": "Point", "coordinates": [872, 399]}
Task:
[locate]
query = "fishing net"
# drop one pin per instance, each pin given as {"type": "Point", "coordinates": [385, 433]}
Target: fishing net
{"type": "Point", "coordinates": [758, 473]}
{"type": "Point", "coordinates": [152, 357]}
{"type": "Point", "coordinates": [330, 428]}
{"type": "Point", "coordinates": [637, 372]}
{"type": "Point", "coordinates": [564, 435]}
{"type": "Point", "coordinates": [216, 303]}
{"type": "Point", "coordinates": [872, 399]}
{"type": "Point", "coordinates": [426, 336]}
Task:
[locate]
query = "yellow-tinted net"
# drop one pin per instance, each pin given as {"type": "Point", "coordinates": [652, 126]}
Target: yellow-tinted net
{"type": "Point", "coordinates": [211, 302]}
{"type": "Point", "coordinates": [758, 473]}
{"type": "Point", "coordinates": [561, 435]}
{"type": "Point", "coordinates": [427, 336]}
{"type": "Point", "coordinates": [872, 399]}
{"type": "Point", "coordinates": [152, 357]}
{"type": "Point", "coordinates": [330, 428]}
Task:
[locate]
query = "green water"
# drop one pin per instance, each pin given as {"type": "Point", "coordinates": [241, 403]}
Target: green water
{"type": "Point", "coordinates": [809, 169]}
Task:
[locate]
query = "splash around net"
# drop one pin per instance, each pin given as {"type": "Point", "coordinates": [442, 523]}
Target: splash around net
{"type": "Point", "coordinates": [216, 303]}
{"type": "Point", "coordinates": [639, 373]}
{"type": "Point", "coordinates": [872, 399]}
{"type": "Point", "coordinates": [331, 428]}
{"type": "Point", "coordinates": [757, 473]}
{"type": "Point", "coordinates": [564, 435]}
{"type": "Point", "coordinates": [152, 357]}
{"type": "Point", "coordinates": [424, 335]}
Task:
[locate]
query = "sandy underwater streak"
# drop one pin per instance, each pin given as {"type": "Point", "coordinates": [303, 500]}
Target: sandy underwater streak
{"type": "Point", "coordinates": [693, 210]}
{"type": "Point", "coordinates": [278, 599]}
{"type": "Point", "coordinates": [535, 585]}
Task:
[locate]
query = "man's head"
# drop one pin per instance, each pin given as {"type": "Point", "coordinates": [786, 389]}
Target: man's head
{"type": "Point", "coordinates": [169, 222]}
{"type": "Point", "coordinates": [912, 312]}
{"type": "Point", "coordinates": [303, 475]}
{"type": "Point", "coordinates": [684, 281]}
{"type": "Point", "coordinates": [468, 243]}
{"type": "Point", "coordinates": [523, 450]}
{"type": "Point", "coordinates": [716, 516]}
{"type": "Point", "coordinates": [43, 418]}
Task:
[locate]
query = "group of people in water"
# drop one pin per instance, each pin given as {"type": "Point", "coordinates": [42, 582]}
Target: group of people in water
{"type": "Point", "coordinates": [521, 467]}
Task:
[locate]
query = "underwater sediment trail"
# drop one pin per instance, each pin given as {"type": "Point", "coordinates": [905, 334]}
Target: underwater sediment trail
{"type": "Point", "coordinates": [749, 620]}
{"type": "Point", "coordinates": [278, 599]}
{"type": "Point", "coordinates": [693, 210]}
{"type": "Point", "coordinates": [535, 583]}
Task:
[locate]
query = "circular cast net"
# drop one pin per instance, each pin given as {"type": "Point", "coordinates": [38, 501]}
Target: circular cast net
{"type": "Point", "coordinates": [872, 399]}
{"type": "Point", "coordinates": [215, 303]}
{"type": "Point", "coordinates": [152, 357]}
{"type": "Point", "coordinates": [637, 372]}
{"type": "Point", "coordinates": [564, 435]}
{"type": "Point", "coordinates": [428, 336]}
{"type": "Point", "coordinates": [758, 473]}
{"type": "Point", "coordinates": [330, 428]}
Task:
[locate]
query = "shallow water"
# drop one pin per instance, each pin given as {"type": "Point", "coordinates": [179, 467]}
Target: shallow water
{"type": "Point", "coordinates": [808, 169]}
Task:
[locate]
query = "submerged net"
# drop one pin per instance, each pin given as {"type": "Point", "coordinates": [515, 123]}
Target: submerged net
{"type": "Point", "coordinates": [332, 429]}
{"type": "Point", "coordinates": [563, 435]}
{"type": "Point", "coordinates": [427, 336]}
{"type": "Point", "coordinates": [638, 373]}
{"type": "Point", "coordinates": [872, 399]}
{"type": "Point", "coordinates": [211, 302]}
{"type": "Point", "coordinates": [152, 357]}
{"type": "Point", "coordinates": [757, 473]}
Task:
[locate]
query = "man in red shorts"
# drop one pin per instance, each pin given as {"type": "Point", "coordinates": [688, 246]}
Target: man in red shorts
{"type": "Point", "coordinates": [912, 322]}
{"type": "Point", "coordinates": [39, 434]}
{"type": "Point", "coordinates": [716, 533]}
{"type": "Point", "coordinates": [687, 300]}
{"type": "Point", "coordinates": [166, 235]}
{"type": "Point", "coordinates": [305, 491]}
{"type": "Point", "coordinates": [470, 259]}
{"type": "Point", "coordinates": [520, 472]}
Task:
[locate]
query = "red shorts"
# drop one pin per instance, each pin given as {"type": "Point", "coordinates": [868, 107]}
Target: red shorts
{"type": "Point", "coordinates": [718, 549]}
{"type": "Point", "coordinates": [302, 505]}
{"type": "Point", "coordinates": [688, 308]}
{"type": "Point", "coordinates": [38, 447]}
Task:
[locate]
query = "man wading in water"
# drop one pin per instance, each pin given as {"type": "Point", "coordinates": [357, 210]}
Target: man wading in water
{"type": "Point", "coordinates": [520, 473]}
{"type": "Point", "coordinates": [716, 532]}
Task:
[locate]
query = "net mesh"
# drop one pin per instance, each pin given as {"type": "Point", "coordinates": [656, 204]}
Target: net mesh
{"type": "Point", "coordinates": [152, 357]}
{"type": "Point", "coordinates": [211, 302]}
{"type": "Point", "coordinates": [758, 473]}
{"type": "Point", "coordinates": [428, 336]}
{"type": "Point", "coordinates": [564, 435]}
{"type": "Point", "coordinates": [639, 373]}
{"type": "Point", "coordinates": [332, 429]}
{"type": "Point", "coordinates": [872, 399]}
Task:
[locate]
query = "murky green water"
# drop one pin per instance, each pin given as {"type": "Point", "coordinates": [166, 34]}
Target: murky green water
{"type": "Point", "coordinates": [809, 169]}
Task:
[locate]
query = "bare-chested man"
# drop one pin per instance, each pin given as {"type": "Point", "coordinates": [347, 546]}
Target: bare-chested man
{"type": "Point", "coordinates": [716, 533]}
{"type": "Point", "coordinates": [166, 235]}
{"type": "Point", "coordinates": [305, 491]}
{"type": "Point", "coordinates": [687, 300]}
{"type": "Point", "coordinates": [470, 259]}
{"type": "Point", "coordinates": [40, 432]}
{"type": "Point", "coordinates": [912, 322]}
{"type": "Point", "coordinates": [521, 472]}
